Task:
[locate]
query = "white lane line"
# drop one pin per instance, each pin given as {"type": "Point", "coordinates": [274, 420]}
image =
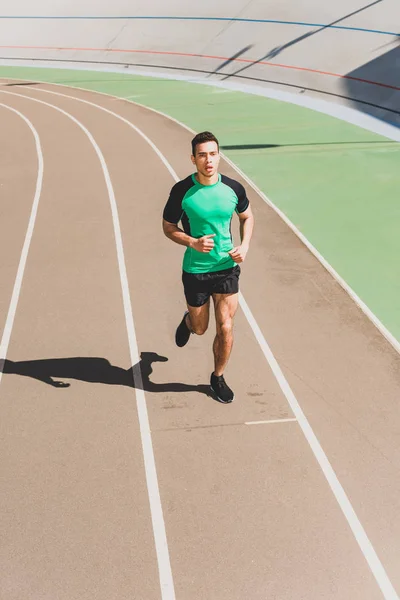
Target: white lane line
{"type": "Point", "coordinates": [160, 538]}
{"type": "Point", "coordinates": [359, 533]}
{"type": "Point", "coordinates": [270, 421]}
{"type": "Point", "coordinates": [365, 309]}
{"type": "Point", "coordinates": [131, 125]}
{"type": "Point", "coordinates": [5, 340]}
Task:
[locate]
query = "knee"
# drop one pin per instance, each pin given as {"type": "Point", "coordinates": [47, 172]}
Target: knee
{"type": "Point", "coordinates": [225, 328]}
{"type": "Point", "coordinates": [199, 329]}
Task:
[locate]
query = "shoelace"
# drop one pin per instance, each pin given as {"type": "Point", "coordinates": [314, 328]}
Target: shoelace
{"type": "Point", "coordinates": [220, 381]}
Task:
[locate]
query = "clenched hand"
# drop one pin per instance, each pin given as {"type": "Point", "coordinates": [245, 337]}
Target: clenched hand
{"type": "Point", "coordinates": [204, 244]}
{"type": "Point", "coordinates": [238, 254]}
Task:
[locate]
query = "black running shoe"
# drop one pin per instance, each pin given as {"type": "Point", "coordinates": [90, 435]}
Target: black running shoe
{"type": "Point", "coordinates": [182, 334]}
{"type": "Point", "coordinates": [221, 389]}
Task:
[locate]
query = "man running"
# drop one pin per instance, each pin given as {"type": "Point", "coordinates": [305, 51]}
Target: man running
{"type": "Point", "coordinates": [205, 202]}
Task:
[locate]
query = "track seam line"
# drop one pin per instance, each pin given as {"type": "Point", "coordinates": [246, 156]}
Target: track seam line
{"type": "Point", "coordinates": [189, 428]}
{"type": "Point", "coordinates": [345, 505]}
{"type": "Point", "coordinates": [5, 340]}
{"type": "Point", "coordinates": [161, 544]}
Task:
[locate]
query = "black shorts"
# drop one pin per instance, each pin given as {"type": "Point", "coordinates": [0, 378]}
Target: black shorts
{"type": "Point", "coordinates": [199, 287]}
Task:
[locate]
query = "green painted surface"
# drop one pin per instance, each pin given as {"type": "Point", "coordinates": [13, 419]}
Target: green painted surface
{"type": "Point", "coordinates": [339, 184]}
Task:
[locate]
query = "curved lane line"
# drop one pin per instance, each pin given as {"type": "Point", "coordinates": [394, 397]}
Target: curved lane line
{"type": "Point", "coordinates": [367, 311]}
{"type": "Point", "coordinates": [283, 97]}
{"type": "Point", "coordinates": [160, 538]}
{"type": "Point", "coordinates": [359, 533]}
{"type": "Point", "coordinates": [5, 340]}
{"type": "Point", "coordinates": [207, 56]}
{"type": "Point", "coordinates": [167, 18]}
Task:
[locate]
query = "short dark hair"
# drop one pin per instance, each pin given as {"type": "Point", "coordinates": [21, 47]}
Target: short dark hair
{"type": "Point", "coordinates": [200, 138]}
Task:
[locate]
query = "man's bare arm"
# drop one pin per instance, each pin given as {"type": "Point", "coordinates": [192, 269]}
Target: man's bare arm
{"type": "Point", "coordinates": [246, 219]}
{"type": "Point", "coordinates": [204, 244]}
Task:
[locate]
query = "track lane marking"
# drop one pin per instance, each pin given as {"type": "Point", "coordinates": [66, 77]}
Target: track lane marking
{"type": "Point", "coordinates": [160, 538]}
{"type": "Point", "coordinates": [5, 339]}
{"type": "Point", "coordinates": [270, 421]}
{"type": "Point", "coordinates": [348, 511]}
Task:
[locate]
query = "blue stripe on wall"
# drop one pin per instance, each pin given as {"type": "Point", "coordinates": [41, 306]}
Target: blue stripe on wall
{"type": "Point", "coordinates": [234, 19]}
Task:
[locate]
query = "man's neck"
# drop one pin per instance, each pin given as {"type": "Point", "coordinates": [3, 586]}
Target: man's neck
{"type": "Point", "coordinates": [207, 180]}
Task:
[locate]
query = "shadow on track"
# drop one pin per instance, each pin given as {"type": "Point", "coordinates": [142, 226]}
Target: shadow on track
{"type": "Point", "coordinates": [98, 370]}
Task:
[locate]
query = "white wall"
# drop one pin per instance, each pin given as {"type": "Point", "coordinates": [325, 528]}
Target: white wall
{"type": "Point", "coordinates": [364, 55]}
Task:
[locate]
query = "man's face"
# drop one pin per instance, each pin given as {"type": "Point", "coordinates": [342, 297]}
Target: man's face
{"type": "Point", "coordinates": [206, 158]}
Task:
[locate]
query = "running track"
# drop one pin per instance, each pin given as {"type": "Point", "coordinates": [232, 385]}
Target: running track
{"type": "Point", "coordinates": [248, 510]}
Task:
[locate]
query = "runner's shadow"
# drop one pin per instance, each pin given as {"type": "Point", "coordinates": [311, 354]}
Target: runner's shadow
{"type": "Point", "coordinates": [98, 370]}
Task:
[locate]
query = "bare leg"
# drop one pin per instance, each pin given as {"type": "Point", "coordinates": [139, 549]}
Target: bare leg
{"type": "Point", "coordinates": [225, 306]}
{"type": "Point", "coordinates": [198, 318]}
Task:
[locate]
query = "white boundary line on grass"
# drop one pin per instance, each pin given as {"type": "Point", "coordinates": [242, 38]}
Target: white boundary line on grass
{"type": "Point", "coordinates": [359, 533]}
{"type": "Point", "coordinates": [5, 340]}
{"type": "Point", "coordinates": [160, 538]}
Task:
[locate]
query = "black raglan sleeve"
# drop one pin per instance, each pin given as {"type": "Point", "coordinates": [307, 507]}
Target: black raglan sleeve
{"type": "Point", "coordinates": [173, 208]}
{"type": "Point", "coordinates": [243, 201]}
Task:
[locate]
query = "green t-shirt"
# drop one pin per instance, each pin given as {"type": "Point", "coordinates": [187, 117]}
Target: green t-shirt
{"type": "Point", "coordinates": [203, 210]}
